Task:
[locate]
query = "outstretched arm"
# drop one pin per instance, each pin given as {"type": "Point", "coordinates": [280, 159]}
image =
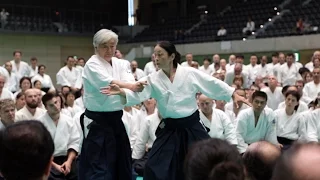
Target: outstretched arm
{"type": "Point", "coordinates": [130, 98]}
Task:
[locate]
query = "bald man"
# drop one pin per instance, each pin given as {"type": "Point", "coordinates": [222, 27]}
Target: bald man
{"type": "Point", "coordinates": [274, 93]}
{"type": "Point", "coordinates": [300, 162]}
{"type": "Point", "coordinates": [260, 159]}
{"type": "Point", "coordinates": [30, 111]}
{"type": "Point", "coordinates": [136, 72]}
{"type": "Point", "coordinates": [216, 120]}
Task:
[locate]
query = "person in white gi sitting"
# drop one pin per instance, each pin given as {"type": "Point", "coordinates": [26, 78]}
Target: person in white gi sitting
{"type": "Point", "coordinates": [256, 123]}
{"type": "Point", "coordinates": [66, 138]}
{"type": "Point", "coordinates": [216, 121]}
{"type": "Point", "coordinates": [30, 110]}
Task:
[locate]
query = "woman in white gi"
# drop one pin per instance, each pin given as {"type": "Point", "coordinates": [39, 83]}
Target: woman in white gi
{"type": "Point", "coordinates": [174, 87]}
{"type": "Point", "coordinates": [44, 78]}
{"type": "Point", "coordinates": [289, 124]}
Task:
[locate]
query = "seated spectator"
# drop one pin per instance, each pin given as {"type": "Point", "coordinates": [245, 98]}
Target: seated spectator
{"type": "Point", "coordinates": [260, 159]}
{"type": "Point", "coordinates": [26, 150]}
{"type": "Point", "coordinates": [299, 26]}
{"type": "Point", "coordinates": [213, 159]}
{"type": "Point", "coordinates": [249, 28]}
{"type": "Point", "coordinates": [222, 31]}
{"type": "Point", "coordinates": [300, 162]}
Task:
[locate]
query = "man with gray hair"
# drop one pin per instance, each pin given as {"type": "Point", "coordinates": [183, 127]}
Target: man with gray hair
{"type": "Point", "coordinates": [7, 112]}
{"type": "Point", "coordinates": [106, 152]}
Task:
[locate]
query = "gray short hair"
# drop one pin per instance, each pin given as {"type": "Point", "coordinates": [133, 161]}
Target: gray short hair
{"type": "Point", "coordinates": [103, 36]}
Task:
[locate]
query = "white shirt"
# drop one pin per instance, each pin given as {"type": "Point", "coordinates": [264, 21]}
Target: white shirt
{"type": "Point", "coordinates": [65, 134]}
{"type": "Point", "coordinates": [12, 83]}
{"type": "Point", "coordinates": [146, 136]}
{"type": "Point", "coordinates": [129, 123]}
{"type": "Point", "coordinates": [138, 74]}
{"type": "Point", "coordinates": [76, 119]}
{"type": "Point", "coordinates": [291, 127]}
{"type": "Point", "coordinates": [67, 77]}
{"type": "Point", "coordinates": [274, 98]}
{"type": "Point", "coordinates": [302, 106]}
{"type": "Point", "coordinates": [251, 25]}
{"type": "Point", "coordinates": [185, 64]}
{"type": "Point", "coordinates": [23, 71]}
{"type": "Point", "coordinates": [222, 32]}
{"type": "Point", "coordinates": [45, 80]}
{"type": "Point", "coordinates": [141, 117]}
{"type": "Point", "coordinates": [5, 73]}
{"type": "Point", "coordinates": [231, 116]}
{"type": "Point", "coordinates": [79, 102]}
{"type": "Point", "coordinates": [253, 72]}
{"type": "Point", "coordinates": [177, 99]}
{"type": "Point", "coordinates": [24, 114]}
{"type": "Point", "coordinates": [4, 15]}
{"type": "Point", "coordinates": [74, 110]}
{"type": "Point", "coordinates": [6, 94]}
{"type": "Point", "coordinates": [248, 132]}
{"type": "Point", "coordinates": [289, 76]}
{"type": "Point", "coordinates": [310, 91]}
{"type": "Point", "coordinates": [272, 68]}
{"type": "Point", "coordinates": [33, 72]}
{"type": "Point", "coordinates": [264, 71]}
{"type": "Point", "coordinates": [99, 73]}
{"type": "Point", "coordinates": [208, 71]}
{"type": "Point", "coordinates": [149, 68]}
{"type": "Point", "coordinates": [220, 126]}
{"type": "Point", "coordinates": [313, 126]}
{"type": "Point", "coordinates": [310, 66]}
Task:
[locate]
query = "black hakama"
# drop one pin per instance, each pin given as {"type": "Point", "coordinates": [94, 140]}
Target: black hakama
{"type": "Point", "coordinates": [106, 152]}
{"type": "Point", "coordinates": [174, 136]}
{"type": "Point", "coordinates": [286, 143]}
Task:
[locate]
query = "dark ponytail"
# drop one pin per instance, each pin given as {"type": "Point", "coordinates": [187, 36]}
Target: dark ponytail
{"type": "Point", "coordinates": [171, 49]}
{"type": "Point", "coordinates": [177, 59]}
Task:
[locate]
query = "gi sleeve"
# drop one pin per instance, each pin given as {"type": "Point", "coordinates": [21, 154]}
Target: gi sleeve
{"type": "Point", "coordinates": [229, 130]}
{"type": "Point", "coordinates": [139, 148]}
{"type": "Point", "coordinates": [133, 98]}
{"type": "Point", "coordinates": [211, 86]}
{"type": "Point", "coordinates": [74, 139]}
{"type": "Point", "coordinates": [241, 132]}
{"type": "Point", "coordinates": [96, 75]}
{"type": "Point", "coordinates": [271, 135]}
{"type": "Point", "coordinates": [312, 128]}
